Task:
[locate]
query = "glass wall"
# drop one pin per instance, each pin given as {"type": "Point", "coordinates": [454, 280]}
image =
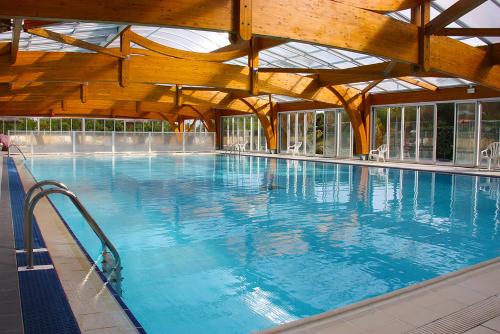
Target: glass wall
{"type": "Point", "coordinates": [490, 125]}
{"type": "Point", "coordinates": [316, 132]}
{"type": "Point", "coordinates": [400, 126]}
{"type": "Point", "coordinates": [330, 133]}
{"type": "Point", "coordinates": [245, 130]}
{"type": "Point", "coordinates": [443, 133]}
{"type": "Point", "coordinates": [410, 134]}
{"type": "Point", "coordinates": [445, 130]}
{"type": "Point", "coordinates": [426, 148]}
{"type": "Point", "coordinates": [465, 133]}
{"type": "Point", "coordinates": [57, 124]}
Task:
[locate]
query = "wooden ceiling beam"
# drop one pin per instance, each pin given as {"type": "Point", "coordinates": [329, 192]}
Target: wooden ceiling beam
{"type": "Point", "coordinates": [381, 6]}
{"type": "Point", "coordinates": [31, 24]}
{"type": "Point", "coordinates": [16, 36]}
{"type": "Point", "coordinates": [352, 29]}
{"type": "Point", "coordinates": [37, 92]}
{"type": "Point", "coordinates": [244, 23]}
{"type": "Point", "coordinates": [442, 94]}
{"type": "Point", "coordinates": [469, 32]}
{"type": "Point", "coordinates": [73, 42]}
{"type": "Point", "coordinates": [418, 83]}
{"type": "Point", "coordinates": [75, 106]}
{"type": "Point", "coordinates": [305, 105]}
{"type": "Point", "coordinates": [83, 67]}
{"type": "Point", "coordinates": [370, 86]}
{"type": "Point", "coordinates": [450, 15]}
{"type": "Point", "coordinates": [5, 48]}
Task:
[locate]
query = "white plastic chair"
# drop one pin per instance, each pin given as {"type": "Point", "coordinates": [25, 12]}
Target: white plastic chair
{"type": "Point", "coordinates": [491, 153]}
{"type": "Point", "coordinates": [380, 152]}
{"type": "Point", "coordinates": [294, 148]}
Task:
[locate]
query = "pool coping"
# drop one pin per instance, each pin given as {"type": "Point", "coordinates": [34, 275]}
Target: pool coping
{"type": "Point", "coordinates": [438, 169]}
{"type": "Point", "coordinates": [94, 268]}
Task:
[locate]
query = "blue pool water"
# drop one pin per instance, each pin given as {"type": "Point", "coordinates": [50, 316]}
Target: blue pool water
{"type": "Point", "coordinates": [221, 244]}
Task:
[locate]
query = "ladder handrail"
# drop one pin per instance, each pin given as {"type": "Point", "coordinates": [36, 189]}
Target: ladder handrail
{"type": "Point", "coordinates": [88, 217]}
{"type": "Point", "coordinates": [39, 185]}
{"type": "Point", "coordinates": [18, 148]}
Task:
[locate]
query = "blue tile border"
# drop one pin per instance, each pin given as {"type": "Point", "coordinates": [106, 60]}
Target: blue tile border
{"type": "Point", "coordinates": [44, 304]}
{"type": "Point", "coordinates": [99, 272]}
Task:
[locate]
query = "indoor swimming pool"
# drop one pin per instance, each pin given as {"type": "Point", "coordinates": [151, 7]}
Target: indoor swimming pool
{"type": "Point", "coordinates": [227, 244]}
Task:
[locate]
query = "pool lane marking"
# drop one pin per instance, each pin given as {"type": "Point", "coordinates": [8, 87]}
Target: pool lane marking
{"type": "Point", "coordinates": [40, 267]}
{"type": "Point", "coordinates": [36, 250]}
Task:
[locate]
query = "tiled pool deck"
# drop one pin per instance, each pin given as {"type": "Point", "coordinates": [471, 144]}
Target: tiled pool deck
{"type": "Point", "coordinates": [472, 295]}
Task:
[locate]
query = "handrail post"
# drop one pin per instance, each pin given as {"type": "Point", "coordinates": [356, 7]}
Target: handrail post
{"type": "Point", "coordinates": [28, 224]}
{"type": "Point", "coordinates": [18, 148]}
{"type": "Point", "coordinates": [114, 273]}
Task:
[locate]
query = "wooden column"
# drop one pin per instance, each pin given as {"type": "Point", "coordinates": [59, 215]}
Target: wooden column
{"type": "Point", "coordinates": [420, 16]}
{"type": "Point", "coordinates": [125, 62]}
{"type": "Point", "coordinates": [253, 64]}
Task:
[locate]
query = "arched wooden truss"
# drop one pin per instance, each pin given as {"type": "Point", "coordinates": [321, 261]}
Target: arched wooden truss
{"type": "Point", "coordinates": [123, 82]}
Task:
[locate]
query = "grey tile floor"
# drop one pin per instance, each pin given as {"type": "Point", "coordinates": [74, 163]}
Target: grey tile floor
{"type": "Point", "coordinates": [10, 302]}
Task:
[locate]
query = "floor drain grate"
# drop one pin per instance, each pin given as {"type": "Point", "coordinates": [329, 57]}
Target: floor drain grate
{"type": "Point", "coordinates": [464, 319]}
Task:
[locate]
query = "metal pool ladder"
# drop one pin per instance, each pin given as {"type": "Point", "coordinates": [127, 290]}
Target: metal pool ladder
{"type": "Point", "coordinates": [111, 263]}
{"type": "Point", "coordinates": [18, 148]}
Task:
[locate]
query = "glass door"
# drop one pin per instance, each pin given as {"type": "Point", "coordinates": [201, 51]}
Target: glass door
{"type": "Point", "coordinates": [379, 128]}
{"type": "Point", "coordinates": [330, 141]}
{"type": "Point", "coordinates": [310, 135]}
{"type": "Point", "coordinates": [395, 133]}
{"type": "Point", "coordinates": [345, 142]}
{"type": "Point", "coordinates": [426, 146]}
{"type": "Point", "coordinates": [300, 132]}
{"type": "Point", "coordinates": [465, 134]}
{"type": "Point", "coordinates": [445, 131]}
{"type": "Point", "coordinates": [490, 126]}
{"type": "Point", "coordinates": [320, 132]}
{"type": "Point", "coordinates": [410, 134]}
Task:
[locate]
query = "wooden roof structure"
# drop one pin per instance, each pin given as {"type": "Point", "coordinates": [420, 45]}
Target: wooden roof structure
{"type": "Point", "coordinates": [145, 79]}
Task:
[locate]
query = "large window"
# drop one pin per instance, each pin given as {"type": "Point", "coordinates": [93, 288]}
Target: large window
{"type": "Point", "coordinates": [330, 133]}
{"type": "Point", "coordinates": [490, 125]}
{"type": "Point", "coordinates": [408, 131]}
{"type": "Point", "coordinates": [465, 134]}
{"type": "Point", "coordinates": [245, 130]}
{"type": "Point", "coordinates": [316, 132]}
{"type": "Point", "coordinates": [380, 126]}
{"type": "Point", "coordinates": [76, 124]}
{"type": "Point", "coordinates": [85, 124]}
{"type": "Point", "coordinates": [410, 134]}
{"type": "Point", "coordinates": [453, 132]}
{"type": "Point", "coordinates": [427, 134]}
{"type": "Point", "coordinates": [395, 114]}
{"type": "Point", "coordinates": [445, 130]}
